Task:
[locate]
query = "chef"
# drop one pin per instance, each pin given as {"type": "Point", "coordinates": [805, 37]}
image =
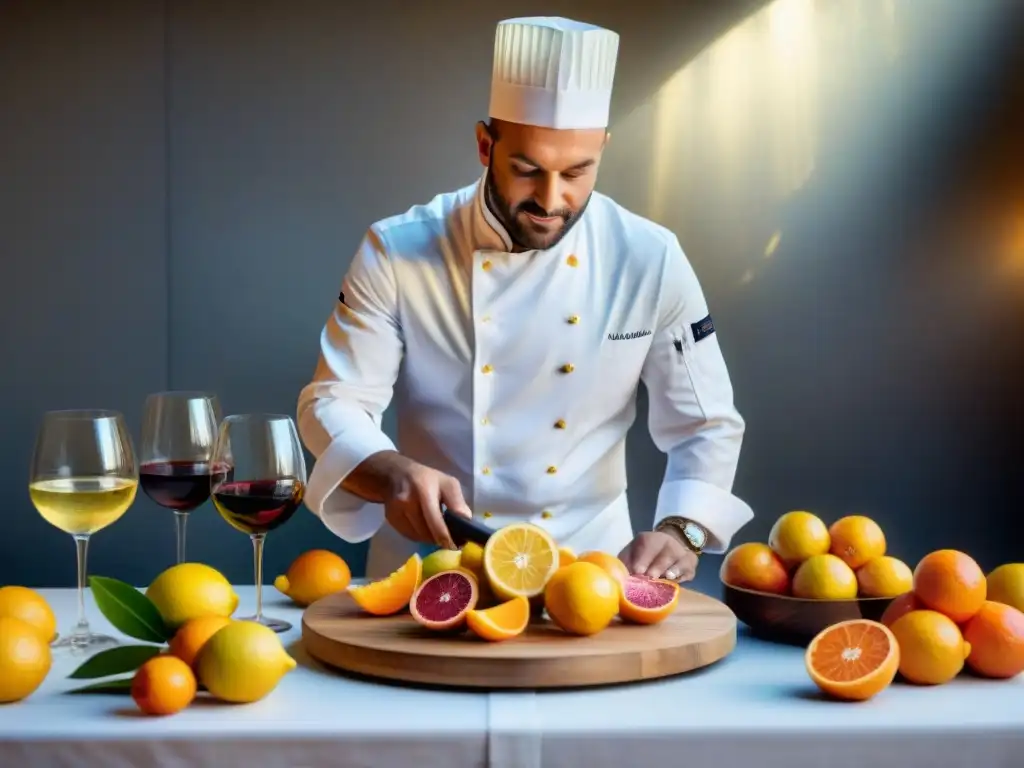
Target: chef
{"type": "Point", "coordinates": [512, 321]}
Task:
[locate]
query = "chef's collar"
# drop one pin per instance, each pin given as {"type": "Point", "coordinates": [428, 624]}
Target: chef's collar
{"type": "Point", "coordinates": [491, 233]}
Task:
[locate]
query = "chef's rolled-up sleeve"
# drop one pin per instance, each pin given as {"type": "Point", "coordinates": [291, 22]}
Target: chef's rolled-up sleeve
{"type": "Point", "coordinates": [340, 410]}
{"type": "Point", "coordinates": [692, 417]}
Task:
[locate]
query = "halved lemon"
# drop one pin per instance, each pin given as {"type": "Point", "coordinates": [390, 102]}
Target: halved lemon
{"type": "Point", "coordinates": [519, 559]}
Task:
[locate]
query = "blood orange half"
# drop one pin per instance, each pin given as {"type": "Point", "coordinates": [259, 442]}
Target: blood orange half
{"type": "Point", "coordinates": [442, 601]}
{"type": "Point", "coordinates": [647, 601]}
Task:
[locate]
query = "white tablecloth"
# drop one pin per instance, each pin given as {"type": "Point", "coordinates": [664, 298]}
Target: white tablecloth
{"type": "Point", "coordinates": [756, 707]}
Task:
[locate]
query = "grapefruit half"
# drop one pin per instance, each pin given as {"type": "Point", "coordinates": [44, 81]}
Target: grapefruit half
{"type": "Point", "coordinates": [442, 601]}
{"type": "Point", "coordinates": [647, 601]}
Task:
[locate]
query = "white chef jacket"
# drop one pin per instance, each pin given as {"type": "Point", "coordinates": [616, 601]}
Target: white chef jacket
{"type": "Point", "coordinates": [516, 373]}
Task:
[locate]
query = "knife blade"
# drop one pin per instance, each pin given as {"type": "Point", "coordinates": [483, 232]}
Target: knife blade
{"type": "Point", "coordinates": [463, 529]}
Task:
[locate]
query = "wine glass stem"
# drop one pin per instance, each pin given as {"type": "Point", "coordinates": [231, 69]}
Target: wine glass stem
{"type": "Point", "coordinates": [180, 523]}
{"type": "Point", "coordinates": [82, 553]}
{"type": "Point", "coordinates": [257, 553]}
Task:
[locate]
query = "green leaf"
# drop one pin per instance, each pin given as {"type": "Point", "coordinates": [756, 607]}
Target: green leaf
{"type": "Point", "coordinates": [129, 610]}
{"type": "Point", "coordinates": [117, 685]}
{"type": "Point", "coordinates": [115, 661]}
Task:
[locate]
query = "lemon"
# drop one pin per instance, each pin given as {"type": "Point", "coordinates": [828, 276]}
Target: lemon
{"type": "Point", "coordinates": [243, 662]}
{"type": "Point", "coordinates": [1006, 585]}
{"type": "Point", "coordinates": [25, 659]}
{"type": "Point", "coordinates": [472, 558]}
{"type": "Point", "coordinates": [824, 577]}
{"type": "Point", "coordinates": [190, 591]}
{"type": "Point", "coordinates": [440, 560]}
{"type": "Point", "coordinates": [29, 606]}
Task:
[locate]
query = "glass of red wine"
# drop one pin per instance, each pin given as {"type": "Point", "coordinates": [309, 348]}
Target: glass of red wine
{"type": "Point", "coordinates": [259, 482]}
{"type": "Point", "coordinates": [179, 430]}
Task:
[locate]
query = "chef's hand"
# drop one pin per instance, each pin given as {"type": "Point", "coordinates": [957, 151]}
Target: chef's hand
{"type": "Point", "coordinates": [660, 555]}
{"type": "Point", "coordinates": [413, 498]}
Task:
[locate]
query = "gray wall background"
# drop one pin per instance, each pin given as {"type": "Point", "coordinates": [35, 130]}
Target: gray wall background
{"type": "Point", "coordinates": [182, 185]}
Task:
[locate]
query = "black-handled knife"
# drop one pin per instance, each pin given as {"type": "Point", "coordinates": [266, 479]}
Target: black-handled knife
{"type": "Point", "coordinates": [463, 529]}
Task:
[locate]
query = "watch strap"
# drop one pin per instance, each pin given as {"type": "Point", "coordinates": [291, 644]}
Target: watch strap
{"type": "Point", "coordinates": [679, 525]}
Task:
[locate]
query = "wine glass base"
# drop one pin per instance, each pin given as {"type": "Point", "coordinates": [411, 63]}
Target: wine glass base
{"type": "Point", "coordinates": [278, 625]}
{"type": "Point", "coordinates": [87, 643]}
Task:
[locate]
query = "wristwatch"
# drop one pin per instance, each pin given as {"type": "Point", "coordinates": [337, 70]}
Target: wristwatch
{"type": "Point", "coordinates": [693, 534]}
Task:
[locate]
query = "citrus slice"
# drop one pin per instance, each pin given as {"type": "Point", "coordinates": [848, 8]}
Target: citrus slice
{"type": "Point", "coordinates": [442, 601]}
{"type": "Point", "coordinates": [519, 559]}
{"type": "Point", "coordinates": [647, 601]}
{"type": "Point", "coordinates": [853, 660]}
{"type": "Point", "coordinates": [502, 622]}
{"type": "Point", "coordinates": [391, 594]}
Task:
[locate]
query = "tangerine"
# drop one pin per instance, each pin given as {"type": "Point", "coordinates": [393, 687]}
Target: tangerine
{"type": "Point", "coordinates": [29, 606]}
{"type": "Point", "coordinates": [951, 583]}
{"type": "Point", "coordinates": [754, 566]}
{"type": "Point", "coordinates": [163, 685]}
{"type": "Point", "coordinates": [853, 660]}
{"type": "Point", "coordinates": [610, 564]}
{"type": "Point", "coordinates": [391, 594]}
{"type": "Point", "coordinates": [856, 539]}
{"type": "Point", "coordinates": [192, 636]}
{"type": "Point", "coordinates": [1006, 585]}
{"type": "Point", "coordinates": [313, 575]}
{"type": "Point", "coordinates": [824, 577]}
{"type": "Point", "coordinates": [582, 598]}
{"type": "Point", "coordinates": [797, 536]}
{"type": "Point", "coordinates": [900, 607]}
{"type": "Point", "coordinates": [884, 576]}
{"type": "Point", "coordinates": [932, 649]}
{"type": "Point", "coordinates": [996, 637]}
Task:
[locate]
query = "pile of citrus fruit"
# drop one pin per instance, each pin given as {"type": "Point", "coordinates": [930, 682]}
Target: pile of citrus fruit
{"type": "Point", "coordinates": [953, 616]}
{"type": "Point", "coordinates": [237, 661]}
{"type": "Point", "coordinates": [805, 558]}
{"type": "Point", "coordinates": [493, 591]}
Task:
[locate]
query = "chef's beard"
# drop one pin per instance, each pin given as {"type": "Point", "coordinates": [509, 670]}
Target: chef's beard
{"type": "Point", "coordinates": [521, 236]}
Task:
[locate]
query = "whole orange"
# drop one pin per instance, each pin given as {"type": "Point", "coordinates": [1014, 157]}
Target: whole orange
{"type": "Point", "coordinates": [582, 598]}
{"type": "Point", "coordinates": [899, 607]}
{"type": "Point", "coordinates": [754, 566]}
{"type": "Point", "coordinates": [797, 536]}
{"type": "Point", "coordinates": [856, 539]}
{"type": "Point", "coordinates": [314, 575]}
{"type": "Point", "coordinates": [824, 577]}
{"type": "Point", "coordinates": [609, 563]}
{"type": "Point", "coordinates": [29, 606]}
{"type": "Point", "coordinates": [951, 583]}
{"type": "Point", "coordinates": [192, 636]}
{"type": "Point", "coordinates": [932, 649]}
{"type": "Point", "coordinates": [884, 576]}
{"type": "Point", "coordinates": [996, 636]}
{"type": "Point", "coordinates": [163, 685]}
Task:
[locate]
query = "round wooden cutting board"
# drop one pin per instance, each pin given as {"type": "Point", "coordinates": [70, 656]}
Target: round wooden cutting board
{"type": "Point", "coordinates": [336, 632]}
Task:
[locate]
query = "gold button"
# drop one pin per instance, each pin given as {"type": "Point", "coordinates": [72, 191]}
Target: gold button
{"type": "Point", "coordinates": [568, 368]}
{"type": "Point", "coordinates": [574, 319]}
{"type": "Point", "coordinates": [485, 319]}
{"type": "Point", "coordinates": [487, 265]}
{"type": "Point", "coordinates": [486, 470]}
{"type": "Point", "coordinates": [487, 368]}
{"type": "Point", "coordinates": [486, 515]}
{"type": "Point", "coordinates": [546, 515]}
{"type": "Point", "coordinates": [572, 261]}
{"type": "Point", "coordinates": [485, 421]}
{"type": "Point", "coordinates": [552, 470]}
{"type": "Point", "coordinates": [560, 424]}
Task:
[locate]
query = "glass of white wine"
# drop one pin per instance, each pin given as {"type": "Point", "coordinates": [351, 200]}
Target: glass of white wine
{"type": "Point", "coordinates": [84, 477]}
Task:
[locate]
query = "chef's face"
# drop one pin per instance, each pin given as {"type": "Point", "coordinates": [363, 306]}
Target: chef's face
{"type": "Point", "coordinates": [539, 180]}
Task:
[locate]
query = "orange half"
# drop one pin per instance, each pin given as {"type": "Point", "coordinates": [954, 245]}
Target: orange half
{"type": "Point", "coordinates": [391, 594]}
{"type": "Point", "coordinates": [853, 660]}
{"type": "Point", "coordinates": [519, 559]}
{"type": "Point", "coordinates": [502, 622]}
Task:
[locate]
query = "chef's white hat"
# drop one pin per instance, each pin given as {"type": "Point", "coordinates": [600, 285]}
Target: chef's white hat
{"type": "Point", "coordinates": [553, 72]}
